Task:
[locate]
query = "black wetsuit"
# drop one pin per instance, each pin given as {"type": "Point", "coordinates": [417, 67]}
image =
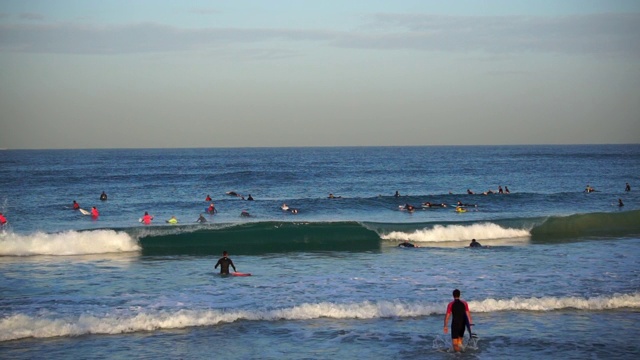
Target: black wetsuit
{"type": "Point", "coordinates": [224, 263]}
{"type": "Point", "coordinates": [475, 244]}
{"type": "Point", "coordinates": [458, 319]}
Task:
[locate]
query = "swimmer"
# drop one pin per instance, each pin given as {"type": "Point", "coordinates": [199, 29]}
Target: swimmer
{"type": "Point", "coordinates": [294, 211]}
{"type": "Point", "coordinates": [103, 196]}
{"type": "Point", "coordinates": [620, 203]}
{"type": "Point", "coordinates": [408, 207]}
{"type": "Point", "coordinates": [94, 213]}
{"type": "Point", "coordinates": [627, 188]}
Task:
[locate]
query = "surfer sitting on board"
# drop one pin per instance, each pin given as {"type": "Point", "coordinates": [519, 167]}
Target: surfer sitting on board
{"type": "Point", "coordinates": [103, 196]}
{"type": "Point", "coordinates": [212, 209]}
{"type": "Point", "coordinates": [474, 243]}
{"type": "Point", "coordinates": [146, 219]}
{"type": "Point", "coordinates": [94, 212]}
{"type": "Point", "coordinates": [201, 219]}
{"type": "Point", "coordinates": [224, 262]}
{"type": "Point", "coordinates": [458, 311]}
{"type": "Point", "coordinates": [76, 206]}
{"type": "Point", "coordinates": [173, 220]}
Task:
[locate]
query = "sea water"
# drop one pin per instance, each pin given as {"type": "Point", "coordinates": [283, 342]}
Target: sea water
{"type": "Point", "coordinates": [560, 277]}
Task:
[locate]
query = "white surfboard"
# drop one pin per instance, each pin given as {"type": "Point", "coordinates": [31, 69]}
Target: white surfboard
{"type": "Point", "coordinates": [84, 212]}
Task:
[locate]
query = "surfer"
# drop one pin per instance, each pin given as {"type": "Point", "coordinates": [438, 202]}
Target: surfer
{"type": "Point", "coordinates": [233, 193]}
{"type": "Point", "coordinates": [294, 211]}
{"type": "Point", "coordinates": [397, 194]}
{"type": "Point", "coordinates": [3, 220]}
{"type": "Point", "coordinates": [284, 207]}
{"type": "Point", "coordinates": [500, 189]}
{"type": "Point", "coordinates": [173, 220]}
{"type": "Point", "coordinates": [146, 219]}
{"type": "Point", "coordinates": [103, 196]}
{"type": "Point", "coordinates": [589, 189]}
{"type": "Point", "coordinates": [331, 196]}
{"type": "Point", "coordinates": [249, 198]}
{"type": "Point", "coordinates": [627, 188]}
{"type": "Point", "coordinates": [94, 212]}
{"type": "Point", "coordinates": [212, 209]}
{"type": "Point", "coordinates": [428, 204]}
{"type": "Point", "coordinates": [406, 244]}
{"type": "Point", "coordinates": [506, 190]}
{"type": "Point", "coordinates": [224, 262]}
{"type": "Point", "coordinates": [458, 311]}
{"type": "Point", "coordinates": [245, 213]}
{"type": "Point", "coordinates": [620, 203]}
{"type": "Point", "coordinates": [460, 203]}
{"type": "Point", "coordinates": [408, 207]}
{"type": "Point", "coordinates": [474, 244]}
{"type": "Point", "coordinates": [76, 206]}
{"type": "Point", "coordinates": [470, 192]}
{"type": "Point", "coordinates": [201, 219]}
{"type": "Point", "coordinates": [208, 198]}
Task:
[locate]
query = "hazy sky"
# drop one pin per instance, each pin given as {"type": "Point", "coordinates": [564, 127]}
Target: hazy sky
{"type": "Point", "coordinates": [236, 73]}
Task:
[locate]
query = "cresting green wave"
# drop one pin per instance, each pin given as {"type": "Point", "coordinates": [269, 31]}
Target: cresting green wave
{"type": "Point", "coordinates": [264, 237]}
{"type": "Point", "coordinates": [614, 224]}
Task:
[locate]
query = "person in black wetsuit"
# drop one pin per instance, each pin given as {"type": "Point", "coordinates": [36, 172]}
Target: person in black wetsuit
{"type": "Point", "coordinates": [224, 262]}
{"type": "Point", "coordinates": [103, 196]}
{"type": "Point", "coordinates": [406, 244]}
{"type": "Point", "coordinates": [458, 311]}
{"type": "Point", "coordinates": [474, 243]}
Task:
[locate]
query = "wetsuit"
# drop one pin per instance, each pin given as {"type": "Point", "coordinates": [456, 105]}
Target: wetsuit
{"type": "Point", "coordinates": [95, 213]}
{"type": "Point", "coordinates": [224, 263]}
{"type": "Point", "coordinates": [3, 220]}
{"type": "Point", "coordinates": [103, 197]}
{"type": "Point", "coordinates": [458, 310]}
{"type": "Point", "coordinates": [475, 244]}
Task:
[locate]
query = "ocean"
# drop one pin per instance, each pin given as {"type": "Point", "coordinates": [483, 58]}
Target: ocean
{"type": "Point", "coordinates": [559, 276]}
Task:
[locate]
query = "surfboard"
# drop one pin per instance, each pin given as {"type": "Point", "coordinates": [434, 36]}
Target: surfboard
{"type": "Point", "coordinates": [84, 212]}
{"type": "Point", "coordinates": [240, 274]}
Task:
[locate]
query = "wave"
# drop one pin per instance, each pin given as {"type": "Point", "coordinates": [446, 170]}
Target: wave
{"type": "Point", "coordinates": [588, 225]}
{"type": "Point", "coordinates": [20, 326]}
{"type": "Point", "coordinates": [67, 243]}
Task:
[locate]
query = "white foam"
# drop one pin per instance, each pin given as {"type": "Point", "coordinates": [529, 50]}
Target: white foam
{"type": "Point", "coordinates": [441, 233]}
{"type": "Point", "coordinates": [67, 243]}
{"type": "Point", "coordinates": [43, 326]}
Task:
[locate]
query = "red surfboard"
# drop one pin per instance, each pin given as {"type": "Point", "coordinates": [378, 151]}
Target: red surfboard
{"type": "Point", "coordinates": [240, 274]}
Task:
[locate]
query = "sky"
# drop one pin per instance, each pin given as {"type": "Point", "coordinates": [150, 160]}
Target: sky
{"type": "Point", "coordinates": [248, 73]}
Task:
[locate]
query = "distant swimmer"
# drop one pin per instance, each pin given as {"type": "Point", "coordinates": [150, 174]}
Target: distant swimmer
{"type": "Point", "coordinates": [76, 206]}
{"type": "Point", "coordinates": [407, 244]}
{"type": "Point", "coordinates": [474, 243]}
{"type": "Point", "coordinates": [294, 211]}
{"type": "Point", "coordinates": [284, 207]}
{"type": "Point", "coordinates": [500, 190]}
{"type": "Point", "coordinates": [331, 196]}
{"type": "Point", "coordinates": [146, 219]}
{"type": "Point", "coordinates": [208, 198]}
{"type": "Point", "coordinates": [620, 203]}
{"type": "Point", "coordinates": [470, 192]}
{"type": "Point", "coordinates": [589, 189]}
{"type": "Point", "coordinates": [245, 213]}
{"type": "Point", "coordinates": [201, 219]}
{"type": "Point", "coordinates": [224, 262]}
{"type": "Point", "coordinates": [212, 209]}
{"type": "Point", "coordinates": [173, 220]}
{"type": "Point", "coordinates": [94, 213]}
{"type": "Point", "coordinates": [397, 194]}
{"type": "Point", "coordinates": [249, 198]}
{"type": "Point", "coordinates": [103, 196]}
{"type": "Point", "coordinates": [3, 220]}
{"type": "Point", "coordinates": [627, 188]}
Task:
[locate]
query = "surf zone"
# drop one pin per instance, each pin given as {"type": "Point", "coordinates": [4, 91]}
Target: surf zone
{"type": "Point", "coordinates": [592, 225]}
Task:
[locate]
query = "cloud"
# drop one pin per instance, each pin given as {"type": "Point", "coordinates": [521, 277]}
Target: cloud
{"type": "Point", "coordinates": [579, 34]}
{"type": "Point", "coordinates": [32, 17]}
{"type": "Point", "coordinates": [596, 33]}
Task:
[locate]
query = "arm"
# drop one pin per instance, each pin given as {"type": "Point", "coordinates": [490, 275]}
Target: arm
{"type": "Point", "coordinates": [233, 266]}
{"type": "Point", "coordinates": [446, 321]}
{"type": "Point", "coordinates": [469, 317]}
{"type": "Point", "coordinates": [218, 263]}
